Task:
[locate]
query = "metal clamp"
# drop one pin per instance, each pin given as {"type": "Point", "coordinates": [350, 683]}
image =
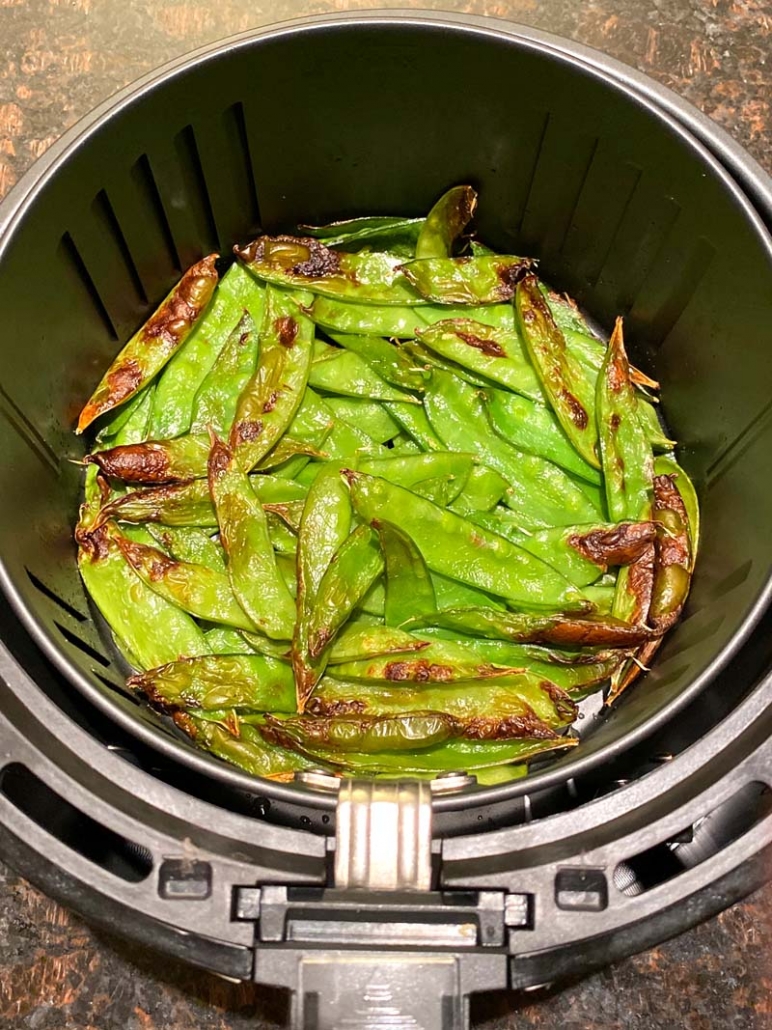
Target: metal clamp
{"type": "Point", "coordinates": [384, 835]}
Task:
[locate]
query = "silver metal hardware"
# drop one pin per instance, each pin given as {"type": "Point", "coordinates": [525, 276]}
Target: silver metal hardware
{"type": "Point", "coordinates": [384, 835]}
{"type": "Point", "coordinates": [452, 782]}
{"type": "Point", "coordinates": [319, 779]}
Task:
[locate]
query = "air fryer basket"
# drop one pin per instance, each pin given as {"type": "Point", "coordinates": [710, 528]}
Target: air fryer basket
{"type": "Point", "coordinates": [625, 210]}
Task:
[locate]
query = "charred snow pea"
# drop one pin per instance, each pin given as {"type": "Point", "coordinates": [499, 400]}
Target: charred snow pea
{"type": "Point", "coordinates": [497, 354]}
{"type": "Point", "coordinates": [570, 388]}
{"type": "Point", "coordinates": [445, 222]}
{"type": "Point", "coordinates": [215, 401]}
{"type": "Point", "coordinates": [190, 544]}
{"type": "Point", "coordinates": [672, 569]}
{"type": "Point", "coordinates": [455, 547]}
{"type": "Point", "coordinates": [147, 626]}
{"type": "Point", "coordinates": [563, 630]}
{"type": "Point", "coordinates": [384, 228]}
{"type": "Point", "coordinates": [667, 465]}
{"type": "Point", "coordinates": [625, 451]}
{"type": "Point", "coordinates": [148, 350]}
{"type": "Point", "coordinates": [196, 589]}
{"type": "Point", "coordinates": [409, 589]}
{"type": "Point", "coordinates": [409, 732]}
{"type": "Point", "coordinates": [251, 681]}
{"type": "Point", "coordinates": [533, 428]}
{"type": "Point", "coordinates": [271, 398]}
{"type": "Point", "coordinates": [301, 262]}
{"type": "Point", "coordinates": [356, 642]}
{"type": "Point", "coordinates": [242, 745]}
{"type": "Point", "coordinates": [174, 405]}
{"type": "Point", "coordinates": [255, 579]}
{"type": "Point", "coordinates": [466, 280]}
{"type": "Point", "coordinates": [156, 461]}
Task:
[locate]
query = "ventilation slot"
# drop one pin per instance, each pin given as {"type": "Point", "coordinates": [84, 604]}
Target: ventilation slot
{"type": "Point", "coordinates": [72, 254]}
{"type": "Point", "coordinates": [77, 831]}
{"type": "Point", "coordinates": [105, 215]}
{"type": "Point", "coordinates": [735, 450]}
{"type": "Point", "coordinates": [87, 649]}
{"type": "Point", "coordinates": [118, 688]}
{"type": "Point", "coordinates": [710, 835]}
{"type": "Point", "coordinates": [195, 188]}
{"type": "Point", "coordinates": [143, 179]}
{"type": "Point", "coordinates": [236, 122]}
{"type": "Point", "coordinates": [684, 276]}
{"type": "Point", "coordinates": [49, 593]}
{"type": "Point", "coordinates": [22, 426]}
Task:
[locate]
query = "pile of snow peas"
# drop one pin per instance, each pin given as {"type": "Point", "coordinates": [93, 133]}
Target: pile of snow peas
{"type": "Point", "coordinates": [377, 500]}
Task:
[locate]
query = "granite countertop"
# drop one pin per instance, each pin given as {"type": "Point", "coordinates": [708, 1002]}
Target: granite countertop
{"type": "Point", "coordinates": [58, 58]}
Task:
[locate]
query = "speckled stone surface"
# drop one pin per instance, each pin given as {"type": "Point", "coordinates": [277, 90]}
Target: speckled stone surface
{"type": "Point", "coordinates": [58, 58]}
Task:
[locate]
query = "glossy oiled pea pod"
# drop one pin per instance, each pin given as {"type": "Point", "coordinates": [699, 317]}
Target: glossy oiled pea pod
{"type": "Point", "coordinates": [190, 544]}
{"type": "Point", "coordinates": [628, 463]}
{"type": "Point", "coordinates": [409, 589]}
{"type": "Point", "coordinates": [540, 493]}
{"type": "Point", "coordinates": [411, 469]}
{"type": "Point", "coordinates": [342, 439]}
{"type": "Point", "coordinates": [431, 666]}
{"type": "Point", "coordinates": [242, 745]}
{"type": "Point", "coordinates": [450, 593]}
{"type": "Point", "coordinates": [179, 383]}
{"type": "Point", "coordinates": [386, 359]}
{"type": "Point", "coordinates": [430, 360]}
{"type": "Point", "coordinates": [666, 465]}
{"type": "Point", "coordinates": [582, 553]}
{"type": "Point", "coordinates": [146, 626]}
{"type": "Point", "coordinates": [344, 733]}
{"type": "Point", "coordinates": [466, 280]}
{"type": "Point", "coordinates": [569, 386]}
{"type": "Point", "coordinates": [271, 398]}
{"type": "Point", "coordinates": [526, 701]}
{"type": "Point", "coordinates": [196, 589]}
{"type": "Point", "coordinates": [130, 423]}
{"type": "Point", "coordinates": [301, 262]}
{"type": "Point", "coordinates": [562, 630]}
{"type": "Point", "coordinates": [357, 230]}
{"type": "Point", "coordinates": [156, 461]}
{"type": "Point", "coordinates": [255, 579]}
{"type": "Point", "coordinates": [367, 416]}
{"type": "Point", "coordinates": [497, 354]}
{"type": "Point", "coordinates": [533, 428]}
{"type": "Point", "coordinates": [672, 569]}
{"type": "Point", "coordinates": [222, 640]}
{"type": "Point", "coordinates": [356, 642]}
{"type": "Point", "coordinates": [455, 547]}
{"type": "Point", "coordinates": [482, 491]}
{"type": "Point", "coordinates": [445, 222]}
{"type": "Point", "coordinates": [148, 350]}
{"type": "Point", "coordinates": [215, 401]}
{"type": "Point", "coordinates": [251, 681]}
{"type": "Point", "coordinates": [398, 321]}
{"type": "Point", "coordinates": [414, 421]}
{"type": "Point", "coordinates": [348, 374]}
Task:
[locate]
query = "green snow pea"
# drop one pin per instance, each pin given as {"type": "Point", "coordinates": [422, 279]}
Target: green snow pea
{"type": "Point", "coordinates": [271, 398]}
{"type": "Point", "coordinates": [179, 383]}
{"type": "Point", "coordinates": [388, 360]}
{"type": "Point", "coordinates": [649, 420]}
{"type": "Point", "coordinates": [134, 419]}
{"type": "Point", "coordinates": [251, 681]}
{"type": "Point", "coordinates": [356, 642]}
{"type": "Point", "coordinates": [415, 422]}
{"type": "Point", "coordinates": [445, 222]}
{"type": "Point", "coordinates": [255, 579]}
{"type": "Point", "coordinates": [569, 386]}
{"type": "Point", "coordinates": [152, 346]}
{"type": "Point", "coordinates": [533, 428]}
{"type": "Point", "coordinates": [196, 589]}
{"type": "Point", "coordinates": [350, 375]}
{"type": "Point", "coordinates": [409, 589]}
{"type": "Point", "coordinates": [357, 230]}
{"type": "Point", "coordinates": [155, 461]}
{"type": "Point", "coordinates": [222, 640]}
{"type": "Point", "coordinates": [411, 469]}
{"type": "Point", "coordinates": [482, 491]}
{"type": "Point", "coordinates": [674, 562]}
{"type": "Point", "coordinates": [466, 280]}
{"type": "Point", "coordinates": [246, 749]}
{"type": "Point", "coordinates": [664, 465]}
{"type": "Point", "coordinates": [628, 464]}
{"type": "Point", "coordinates": [299, 262]}
{"type": "Point", "coordinates": [497, 354]}
{"type": "Point", "coordinates": [450, 593]}
{"type": "Point", "coordinates": [149, 628]}
{"type": "Point", "coordinates": [369, 734]}
{"type": "Point", "coordinates": [190, 544]}
{"type": "Point", "coordinates": [369, 417]}
{"type": "Point", "coordinates": [398, 321]}
{"type": "Point", "coordinates": [215, 402]}
{"type": "Point", "coordinates": [455, 547]}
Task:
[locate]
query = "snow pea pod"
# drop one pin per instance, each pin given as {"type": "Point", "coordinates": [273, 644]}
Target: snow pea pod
{"type": "Point", "coordinates": [357, 230]}
{"type": "Point", "coordinates": [386, 359]}
{"type": "Point", "coordinates": [482, 491]}
{"type": "Point", "coordinates": [349, 374]}
{"type": "Point", "coordinates": [431, 360]}
{"type": "Point", "coordinates": [672, 569]}
{"type": "Point", "coordinates": [532, 427]}
{"type": "Point", "coordinates": [455, 547]}
{"type": "Point", "coordinates": [466, 280]}
{"type": "Point", "coordinates": [497, 354]}
{"type": "Point", "coordinates": [540, 493]}
{"type": "Point", "coordinates": [182, 378]}
{"type": "Point", "coordinates": [450, 593]}
{"type": "Point", "coordinates": [196, 589]}
{"type": "Point", "coordinates": [409, 589]}
{"type": "Point", "coordinates": [152, 346]}
{"type": "Point", "coordinates": [369, 417]}
{"type": "Point", "coordinates": [324, 526]}
{"type": "Point", "coordinates": [569, 386]}
{"type": "Point", "coordinates": [415, 422]}
{"type": "Point", "coordinates": [220, 681]}
{"type": "Point", "coordinates": [368, 734]}
{"type": "Point", "coordinates": [398, 321]}
{"type": "Point", "coordinates": [242, 745]}
{"type": "Point", "coordinates": [581, 553]}
{"type": "Point", "coordinates": [190, 544]}
{"type": "Point", "coordinates": [131, 422]}
{"type": "Point", "coordinates": [628, 464]}
{"type": "Point", "coordinates": [650, 424]}
{"type": "Point", "coordinates": [408, 470]}
{"type": "Point", "coordinates": [221, 640]}
{"type": "Point", "coordinates": [271, 398]}
{"type": "Point", "coordinates": [355, 643]}
{"type": "Point", "coordinates": [255, 579]}
{"type": "Point", "coordinates": [147, 626]}
{"type": "Point", "coordinates": [445, 222]}
{"type": "Point", "coordinates": [215, 401]}
{"type": "Point", "coordinates": [563, 630]}
{"type": "Point", "coordinates": [527, 700]}
{"type": "Point", "coordinates": [424, 669]}
{"type": "Point", "coordinates": [666, 465]}
{"type": "Point", "coordinates": [301, 262]}
{"type": "Point", "coordinates": [155, 461]}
